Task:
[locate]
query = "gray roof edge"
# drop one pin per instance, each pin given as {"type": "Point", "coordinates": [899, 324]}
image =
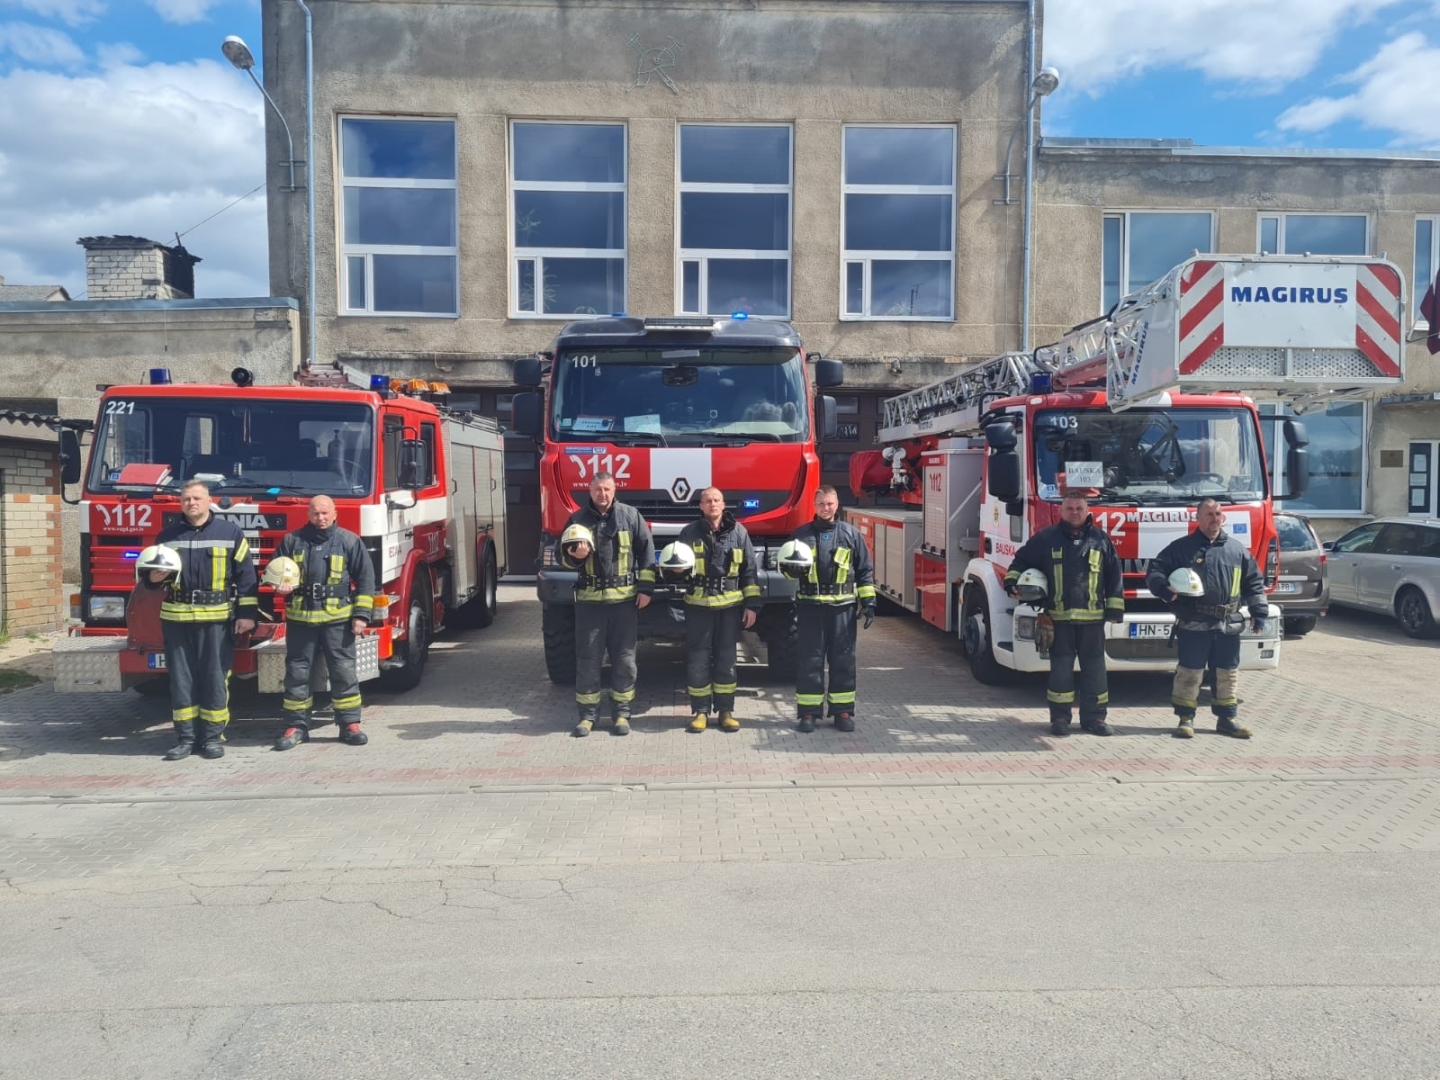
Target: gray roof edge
{"type": "Point", "coordinates": [213, 304]}
{"type": "Point", "coordinates": [1187, 148]}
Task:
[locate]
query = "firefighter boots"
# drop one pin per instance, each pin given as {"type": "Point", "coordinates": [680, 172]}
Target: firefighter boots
{"type": "Point", "coordinates": [728, 722]}
{"type": "Point", "coordinates": [1060, 726]}
{"type": "Point", "coordinates": [1096, 727]}
{"type": "Point", "coordinates": [212, 749]}
{"type": "Point", "coordinates": [352, 735]}
{"type": "Point", "coordinates": [844, 721]}
{"type": "Point", "coordinates": [806, 725]}
{"type": "Point", "coordinates": [1229, 727]}
{"type": "Point", "coordinates": [622, 725]}
{"type": "Point", "coordinates": [184, 743]}
{"type": "Point", "coordinates": [1185, 729]}
{"type": "Point", "coordinates": [292, 738]}
{"type": "Point", "coordinates": [583, 727]}
{"type": "Point", "coordinates": [698, 724]}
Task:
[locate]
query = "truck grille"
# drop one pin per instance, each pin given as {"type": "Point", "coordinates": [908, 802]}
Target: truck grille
{"type": "Point", "coordinates": [659, 506]}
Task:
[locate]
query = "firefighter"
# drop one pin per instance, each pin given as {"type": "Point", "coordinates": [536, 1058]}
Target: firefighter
{"type": "Point", "coordinates": [610, 546]}
{"type": "Point", "coordinates": [330, 606]}
{"type": "Point", "coordinates": [839, 580]}
{"type": "Point", "coordinates": [1208, 576]}
{"type": "Point", "coordinates": [206, 604]}
{"type": "Point", "coordinates": [1083, 591]}
{"type": "Point", "coordinates": [723, 597]}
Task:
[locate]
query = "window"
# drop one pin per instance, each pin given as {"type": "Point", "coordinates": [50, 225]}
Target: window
{"type": "Point", "coordinates": [1295, 534]}
{"type": "Point", "coordinates": [1143, 246]}
{"type": "Point", "coordinates": [1423, 478]}
{"type": "Point", "coordinates": [1412, 540]}
{"type": "Point", "coordinates": [1337, 460]}
{"type": "Point", "coordinates": [1314, 234]}
{"type": "Point", "coordinates": [1358, 540]}
{"type": "Point", "coordinates": [847, 404]}
{"type": "Point", "coordinates": [1427, 261]}
{"type": "Point", "coordinates": [898, 223]}
{"type": "Point", "coordinates": [428, 436]}
{"type": "Point", "coordinates": [394, 432]}
{"type": "Point", "coordinates": [399, 252]}
{"type": "Point", "coordinates": [734, 229]}
{"type": "Point", "coordinates": [568, 184]}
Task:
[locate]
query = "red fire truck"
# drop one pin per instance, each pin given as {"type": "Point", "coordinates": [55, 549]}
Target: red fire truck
{"type": "Point", "coordinates": [671, 406]}
{"type": "Point", "coordinates": [1152, 406]}
{"type": "Point", "coordinates": [423, 488]}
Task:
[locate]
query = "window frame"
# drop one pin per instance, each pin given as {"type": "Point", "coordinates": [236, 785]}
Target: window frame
{"type": "Point", "coordinates": [1123, 216]}
{"type": "Point", "coordinates": [347, 250]}
{"type": "Point", "coordinates": [865, 258]}
{"type": "Point", "coordinates": [1280, 217]}
{"type": "Point", "coordinates": [702, 256]}
{"type": "Point", "coordinates": [538, 255]}
{"type": "Point", "coordinates": [1421, 285]}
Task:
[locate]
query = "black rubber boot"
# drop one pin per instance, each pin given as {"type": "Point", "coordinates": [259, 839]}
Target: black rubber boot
{"type": "Point", "coordinates": [351, 735]}
{"type": "Point", "coordinates": [292, 738]}
{"type": "Point", "coordinates": [213, 744]}
{"type": "Point", "coordinates": [184, 742]}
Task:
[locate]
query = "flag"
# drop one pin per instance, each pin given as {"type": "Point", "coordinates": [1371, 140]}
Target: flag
{"type": "Point", "coordinates": [1430, 312]}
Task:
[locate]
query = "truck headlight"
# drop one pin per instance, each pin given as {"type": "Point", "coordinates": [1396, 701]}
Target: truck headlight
{"type": "Point", "coordinates": [107, 607]}
{"type": "Point", "coordinates": [1025, 627]}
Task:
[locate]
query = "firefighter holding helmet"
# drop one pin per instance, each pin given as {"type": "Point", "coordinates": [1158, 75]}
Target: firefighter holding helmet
{"type": "Point", "coordinates": [610, 546]}
{"type": "Point", "coordinates": [714, 559]}
{"type": "Point", "coordinates": [1070, 571]}
{"type": "Point", "coordinates": [835, 581]}
{"type": "Point", "coordinates": [1208, 577]}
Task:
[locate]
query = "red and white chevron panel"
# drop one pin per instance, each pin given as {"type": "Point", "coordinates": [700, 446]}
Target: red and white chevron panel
{"type": "Point", "coordinates": [1202, 313]}
{"type": "Point", "coordinates": [1377, 316]}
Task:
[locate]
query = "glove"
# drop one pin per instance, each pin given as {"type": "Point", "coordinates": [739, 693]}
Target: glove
{"type": "Point", "coordinates": [1044, 633]}
{"type": "Point", "coordinates": [868, 614]}
{"type": "Point", "coordinates": [1012, 590]}
{"type": "Point", "coordinates": [1114, 616]}
{"type": "Point", "coordinates": [1257, 626]}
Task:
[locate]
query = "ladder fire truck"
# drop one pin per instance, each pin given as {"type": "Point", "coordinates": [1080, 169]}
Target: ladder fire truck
{"type": "Point", "coordinates": [1153, 406]}
{"type": "Point", "coordinates": [422, 486]}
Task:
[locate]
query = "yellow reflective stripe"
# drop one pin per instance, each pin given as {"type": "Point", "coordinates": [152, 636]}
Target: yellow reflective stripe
{"type": "Point", "coordinates": [1235, 582]}
{"type": "Point", "coordinates": [195, 614]}
{"type": "Point", "coordinates": [242, 549]}
{"type": "Point", "coordinates": [219, 572]}
{"type": "Point", "coordinates": [297, 704]}
{"type": "Point", "coordinates": [181, 716]}
{"type": "Point", "coordinates": [752, 592]}
{"type": "Point", "coordinates": [718, 600]}
{"type": "Point", "coordinates": [647, 575]}
{"type": "Point", "coordinates": [1115, 603]}
{"type": "Point", "coordinates": [1184, 703]}
{"type": "Point", "coordinates": [1103, 699]}
{"type": "Point", "coordinates": [1077, 615]}
{"type": "Point", "coordinates": [725, 688]}
{"type": "Point", "coordinates": [215, 716]}
{"type": "Point", "coordinates": [622, 564]}
{"type": "Point", "coordinates": [249, 601]}
{"type": "Point", "coordinates": [698, 691]}
{"type": "Point", "coordinates": [843, 697]}
{"type": "Point", "coordinates": [337, 570]}
{"type": "Point", "coordinates": [606, 596]}
{"type": "Point", "coordinates": [365, 602]}
{"type": "Point", "coordinates": [587, 699]}
{"type": "Point", "coordinates": [827, 598]}
{"type": "Point", "coordinates": [305, 615]}
{"type": "Point", "coordinates": [1225, 701]}
{"type": "Point", "coordinates": [842, 565]}
{"type": "Point", "coordinates": [1058, 698]}
{"type": "Point", "coordinates": [1094, 592]}
{"type": "Point", "coordinates": [737, 560]}
{"type": "Point", "coordinates": [865, 592]}
{"type": "Point", "coordinates": [622, 696]}
{"type": "Point", "coordinates": [351, 702]}
{"type": "Point", "coordinates": [809, 699]}
{"type": "Point", "coordinates": [1057, 556]}
{"type": "Point", "coordinates": [698, 547]}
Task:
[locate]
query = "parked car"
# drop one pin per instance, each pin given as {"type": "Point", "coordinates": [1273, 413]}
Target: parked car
{"type": "Point", "coordinates": [1303, 591]}
{"type": "Point", "coordinates": [1391, 565]}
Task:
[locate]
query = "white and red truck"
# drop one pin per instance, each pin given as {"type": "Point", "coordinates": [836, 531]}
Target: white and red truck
{"type": "Point", "coordinates": [1153, 406]}
{"type": "Point", "coordinates": [423, 487]}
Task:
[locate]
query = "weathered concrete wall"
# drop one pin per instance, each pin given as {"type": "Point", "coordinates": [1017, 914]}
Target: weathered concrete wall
{"type": "Point", "coordinates": [32, 596]}
{"type": "Point", "coordinates": [813, 63]}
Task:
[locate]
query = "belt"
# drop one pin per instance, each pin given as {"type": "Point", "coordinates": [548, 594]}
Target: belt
{"type": "Point", "coordinates": [819, 588]}
{"type": "Point", "coordinates": [1215, 611]}
{"type": "Point", "coordinates": [589, 582]}
{"type": "Point", "coordinates": [202, 596]}
{"type": "Point", "coordinates": [712, 586]}
{"type": "Point", "coordinates": [318, 592]}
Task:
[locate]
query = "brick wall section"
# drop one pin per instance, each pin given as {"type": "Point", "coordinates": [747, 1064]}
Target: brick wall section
{"type": "Point", "coordinates": [31, 588]}
{"type": "Point", "coordinates": [125, 274]}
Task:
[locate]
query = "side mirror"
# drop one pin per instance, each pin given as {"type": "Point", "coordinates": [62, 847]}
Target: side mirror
{"type": "Point", "coordinates": [1002, 475]}
{"type": "Point", "coordinates": [70, 462]}
{"type": "Point", "coordinates": [1329, 545]}
{"type": "Point", "coordinates": [1000, 437]}
{"type": "Point", "coordinates": [414, 466]}
{"type": "Point", "coordinates": [829, 424]}
{"type": "Point", "coordinates": [527, 371]}
{"type": "Point", "coordinates": [527, 414]}
{"type": "Point", "coordinates": [829, 372]}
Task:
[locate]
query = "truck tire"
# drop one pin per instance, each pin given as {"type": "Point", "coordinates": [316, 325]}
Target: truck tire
{"type": "Point", "coordinates": [976, 638]}
{"type": "Point", "coordinates": [479, 611]}
{"type": "Point", "coordinates": [1300, 625]}
{"type": "Point", "coordinates": [558, 626]}
{"type": "Point", "coordinates": [782, 652]}
{"type": "Point", "coordinates": [415, 649]}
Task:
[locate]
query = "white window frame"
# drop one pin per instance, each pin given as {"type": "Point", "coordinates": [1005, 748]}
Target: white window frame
{"type": "Point", "coordinates": [368, 251]}
{"type": "Point", "coordinates": [866, 258]}
{"type": "Point", "coordinates": [703, 256]}
{"type": "Point", "coordinates": [1275, 458]}
{"type": "Point", "coordinates": [1280, 217]}
{"type": "Point", "coordinates": [1420, 287]}
{"type": "Point", "coordinates": [1123, 216]}
{"type": "Point", "coordinates": [538, 255]}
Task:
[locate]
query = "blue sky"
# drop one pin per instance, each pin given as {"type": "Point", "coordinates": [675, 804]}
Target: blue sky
{"type": "Point", "coordinates": [121, 116]}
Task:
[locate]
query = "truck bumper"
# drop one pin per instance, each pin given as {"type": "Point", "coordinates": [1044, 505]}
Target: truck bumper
{"type": "Point", "coordinates": [1142, 643]}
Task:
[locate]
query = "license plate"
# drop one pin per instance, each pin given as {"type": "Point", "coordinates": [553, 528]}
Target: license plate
{"type": "Point", "coordinates": [1149, 630]}
{"type": "Point", "coordinates": [155, 661]}
{"type": "Point", "coordinates": [1288, 587]}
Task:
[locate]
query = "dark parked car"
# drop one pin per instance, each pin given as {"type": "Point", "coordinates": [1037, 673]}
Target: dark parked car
{"type": "Point", "coordinates": [1391, 566]}
{"type": "Point", "coordinates": [1303, 592]}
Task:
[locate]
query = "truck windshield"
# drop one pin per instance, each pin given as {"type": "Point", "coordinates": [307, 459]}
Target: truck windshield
{"type": "Point", "coordinates": [1151, 456]}
{"type": "Point", "coordinates": [247, 444]}
{"type": "Point", "coordinates": [680, 396]}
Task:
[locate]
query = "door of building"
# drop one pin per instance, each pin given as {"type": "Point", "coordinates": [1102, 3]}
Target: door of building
{"type": "Point", "coordinates": [1424, 479]}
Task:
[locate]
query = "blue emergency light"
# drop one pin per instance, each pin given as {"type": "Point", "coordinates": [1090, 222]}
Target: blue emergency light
{"type": "Point", "coordinates": [132, 554]}
{"type": "Point", "coordinates": [380, 383]}
{"type": "Point", "coordinates": [740, 316]}
{"type": "Point", "coordinates": [1040, 382]}
{"type": "Point", "coordinates": [159, 376]}
{"type": "Point", "coordinates": [750, 504]}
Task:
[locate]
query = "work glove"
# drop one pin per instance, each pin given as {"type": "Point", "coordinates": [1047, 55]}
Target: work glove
{"type": "Point", "coordinates": [1114, 616]}
{"type": "Point", "coordinates": [1257, 626]}
{"type": "Point", "coordinates": [868, 614]}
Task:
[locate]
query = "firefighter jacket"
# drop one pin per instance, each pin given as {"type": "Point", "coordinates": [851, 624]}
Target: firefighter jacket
{"type": "Point", "coordinates": [621, 562]}
{"type": "Point", "coordinates": [337, 577]}
{"type": "Point", "coordinates": [216, 580]}
{"type": "Point", "coordinates": [842, 572]}
{"type": "Point", "coordinates": [724, 572]}
{"type": "Point", "coordinates": [1082, 571]}
{"type": "Point", "coordinates": [1231, 578]}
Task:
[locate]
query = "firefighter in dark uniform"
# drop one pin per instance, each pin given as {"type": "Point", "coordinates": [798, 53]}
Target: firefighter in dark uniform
{"type": "Point", "coordinates": [215, 586]}
{"type": "Point", "coordinates": [1083, 591]}
{"type": "Point", "coordinates": [1208, 620]}
{"type": "Point", "coordinates": [333, 603]}
{"type": "Point", "coordinates": [723, 597]}
{"type": "Point", "coordinates": [610, 546]}
{"type": "Point", "coordinates": [840, 581]}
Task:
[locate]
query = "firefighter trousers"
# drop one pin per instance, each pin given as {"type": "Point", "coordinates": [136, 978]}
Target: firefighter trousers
{"type": "Point", "coordinates": [826, 633]}
{"type": "Point", "coordinates": [1085, 641]}
{"type": "Point", "coordinates": [711, 635]}
{"type": "Point", "coordinates": [199, 657]}
{"type": "Point", "coordinates": [336, 642]}
{"type": "Point", "coordinates": [600, 628]}
{"type": "Point", "coordinates": [1198, 650]}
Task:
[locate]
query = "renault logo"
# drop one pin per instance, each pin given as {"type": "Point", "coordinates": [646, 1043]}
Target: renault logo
{"type": "Point", "coordinates": [680, 490]}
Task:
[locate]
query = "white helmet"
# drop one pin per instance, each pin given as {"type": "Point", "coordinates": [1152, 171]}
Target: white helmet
{"type": "Point", "coordinates": [281, 570]}
{"type": "Point", "coordinates": [1186, 582]}
{"type": "Point", "coordinates": [576, 534]}
{"type": "Point", "coordinates": [1032, 586]}
{"type": "Point", "coordinates": [157, 557]}
{"type": "Point", "coordinates": [677, 560]}
{"type": "Point", "coordinates": [795, 558]}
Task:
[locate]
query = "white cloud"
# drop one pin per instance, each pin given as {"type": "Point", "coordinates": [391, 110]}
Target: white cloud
{"type": "Point", "coordinates": [1268, 43]}
{"type": "Point", "coordinates": [1397, 91]}
{"type": "Point", "coordinates": [40, 45]}
{"type": "Point", "coordinates": [146, 150]}
{"type": "Point", "coordinates": [183, 11]}
{"type": "Point", "coordinates": [70, 12]}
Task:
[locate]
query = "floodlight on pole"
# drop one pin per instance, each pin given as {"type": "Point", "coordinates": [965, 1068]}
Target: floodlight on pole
{"type": "Point", "coordinates": [240, 56]}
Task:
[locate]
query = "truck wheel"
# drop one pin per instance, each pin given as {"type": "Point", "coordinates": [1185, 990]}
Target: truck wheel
{"type": "Point", "coordinates": [486, 604]}
{"type": "Point", "coordinates": [1300, 625]}
{"type": "Point", "coordinates": [154, 688]}
{"type": "Point", "coordinates": [558, 626]}
{"type": "Point", "coordinates": [977, 640]}
{"type": "Point", "coordinates": [782, 649]}
{"type": "Point", "coordinates": [1414, 613]}
{"type": "Point", "coordinates": [415, 648]}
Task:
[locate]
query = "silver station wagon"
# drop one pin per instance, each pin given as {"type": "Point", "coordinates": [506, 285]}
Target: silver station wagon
{"type": "Point", "coordinates": [1393, 566]}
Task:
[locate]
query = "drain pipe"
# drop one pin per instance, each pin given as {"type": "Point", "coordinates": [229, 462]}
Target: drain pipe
{"type": "Point", "coordinates": [310, 184]}
{"type": "Point", "coordinates": [1029, 179]}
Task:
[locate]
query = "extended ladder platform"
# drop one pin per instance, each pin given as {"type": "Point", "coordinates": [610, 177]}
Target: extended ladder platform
{"type": "Point", "coordinates": [956, 402]}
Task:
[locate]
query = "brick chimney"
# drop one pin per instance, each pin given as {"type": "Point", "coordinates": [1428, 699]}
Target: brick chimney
{"type": "Point", "coordinates": [133, 268]}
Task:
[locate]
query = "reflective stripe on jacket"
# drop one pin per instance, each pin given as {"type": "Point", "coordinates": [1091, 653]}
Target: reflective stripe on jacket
{"type": "Point", "coordinates": [1082, 571]}
{"type": "Point", "coordinates": [724, 572]}
{"type": "Point", "coordinates": [335, 561]}
{"type": "Point", "coordinates": [216, 573]}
